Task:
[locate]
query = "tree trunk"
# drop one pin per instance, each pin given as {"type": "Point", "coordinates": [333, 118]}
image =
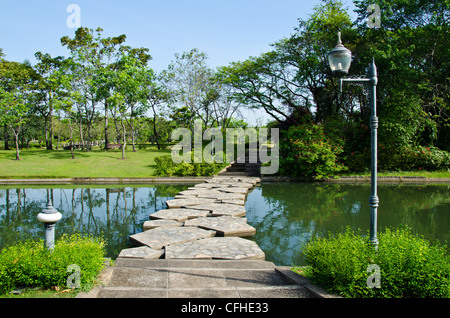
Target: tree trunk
{"type": "Point", "coordinates": [154, 127]}
{"type": "Point", "coordinates": [88, 141]}
{"type": "Point", "coordinates": [124, 133]}
{"type": "Point", "coordinates": [5, 137]}
{"type": "Point", "coordinates": [50, 128]}
{"type": "Point", "coordinates": [81, 131]}
{"type": "Point", "coordinates": [71, 138]}
{"type": "Point", "coordinates": [133, 141]}
{"type": "Point", "coordinates": [106, 126]}
{"type": "Point", "coordinates": [59, 130]}
{"type": "Point", "coordinates": [16, 135]}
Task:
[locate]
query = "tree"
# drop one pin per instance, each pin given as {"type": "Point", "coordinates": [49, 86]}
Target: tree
{"type": "Point", "coordinates": [294, 77]}
{"type": "Point", "coordinates": [138, 81]}
{"type": "Point", "coordinates": [17, 81]}
{"type": "Point", "coordinates": [188, 79]}
{"type": "Point", "coordinates": [411, 50]}
{"type": "Point", "coordinates": [130, 86]}
{"type": "Point", "coordinates": [90, 55]}
{"type": "Point", "coordinates": [223, 104]}
{"type": "Point", "coordinates": [158, 97]}
{"type": "Point", "coordinates": [49, 90]}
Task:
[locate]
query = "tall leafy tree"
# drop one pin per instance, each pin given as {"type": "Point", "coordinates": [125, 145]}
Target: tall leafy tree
{"type": "Point", "coordinates": [158, 97]}
{"type": "Point", "coordinates": [294, 77]}
{"type": "Point", "coordinates": [91, 54]}
{"type": "Point", "coordinates": [131, 83]}
{"type": "Point", "coordinates": [49, 90]}
{"type": "Point", "coordinates": [411, 50]}
{"type": "Point", "coordinates": [17, 84]}
{"type": "Point", "coordinates": [188, 78]}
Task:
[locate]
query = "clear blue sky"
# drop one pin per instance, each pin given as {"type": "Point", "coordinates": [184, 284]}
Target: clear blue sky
{"type": "Point", "coordinates": [227, 30]}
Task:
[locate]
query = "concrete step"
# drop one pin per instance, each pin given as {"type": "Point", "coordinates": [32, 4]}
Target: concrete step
{"type": "Point", "coordinates": [242, 169]}
{"type": "Point", "coordinates": [240, 174]}
{"type": "Point", "coordinates": [198, 279]}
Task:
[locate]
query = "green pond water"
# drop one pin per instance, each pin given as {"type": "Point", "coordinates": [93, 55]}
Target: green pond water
{"type": "Point", "coordinates": [285, 215]}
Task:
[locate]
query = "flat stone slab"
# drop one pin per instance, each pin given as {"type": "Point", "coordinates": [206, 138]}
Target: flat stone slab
{"type": "Point", "coordinates": [218, 209]}
{"type": "Point", "coordinates": [223, 179]}
{"type": "Point", "coordinates": [224, 225]}
{"type": "Point", "coordinates": [233, 201]}
{"type": "Point", "coordinates": [142, 252]}
{"type": "Point", "coordinates": [165, 236]}
{"type": "Point", "coordinates": [178, 203]}
{"type": "Point", "coordinates": [230, 185]}
{"type": "Point", "coordinates": [197, 192]}
{"type": "Point", "coordinates": [229, 248]}
{"type": "Point", "coordinates": [234, 190]}
{"type": "Point", "coordinates": [222, 196]}
{"type": "Point", "coordinates": [179, 215]}
{"type": "Point", "coordinates": [153, 224]}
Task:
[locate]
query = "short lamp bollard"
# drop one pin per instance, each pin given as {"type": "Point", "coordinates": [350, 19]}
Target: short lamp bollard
{"type": "Point", "coordinates": [49, 216]}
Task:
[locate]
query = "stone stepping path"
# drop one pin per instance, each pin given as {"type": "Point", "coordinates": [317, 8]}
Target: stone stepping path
{"type": "Point", "coordinates": [179, 215]}
{"type": "Point", "coordinates": [233, 248]}
{"type": "Point", "coordinates": [179, 203]}
{"type": "Point", "coordinates": [219, 209]}
{"type": "Point", "coordinates": [162, 237]}
{"type": "Point", "coordinates": [142, 252]}
{"type": "Point", "coordinates": [223, 225]}
{"type": "Point", "coordinates": [153, 224]}
{"type": "Point", "coordinates": [206, 221]}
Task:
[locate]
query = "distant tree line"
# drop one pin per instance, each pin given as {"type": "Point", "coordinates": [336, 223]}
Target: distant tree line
{"type": "Point", "coordinates": [106, 83]}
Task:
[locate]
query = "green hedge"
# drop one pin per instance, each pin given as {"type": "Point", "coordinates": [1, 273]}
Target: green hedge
{"type": "Point", "coordinates": [29, 264]}
{"type": "Point", "coordinates": [166, 167]}
{"type": "Point", "coordinates": [410, 266]}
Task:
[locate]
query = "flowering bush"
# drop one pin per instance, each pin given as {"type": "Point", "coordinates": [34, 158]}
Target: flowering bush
{"type": "Point", "coordinates": [305, 151]}
{"type": "Point", "coordinates": [413, 159]}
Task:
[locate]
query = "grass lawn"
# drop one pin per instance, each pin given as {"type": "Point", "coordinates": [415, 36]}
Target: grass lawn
{"type": "Point", "coordinates": [97, 163]}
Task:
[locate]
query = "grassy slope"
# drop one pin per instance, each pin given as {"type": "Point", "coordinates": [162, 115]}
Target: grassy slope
{"type": "Point", "coordinates": [95, 164]}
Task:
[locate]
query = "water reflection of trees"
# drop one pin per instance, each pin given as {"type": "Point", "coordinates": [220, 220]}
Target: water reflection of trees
{"type": "Point", "coordinates": [291, 213]}
{"type": "Point", "coordinates": [110, 212]}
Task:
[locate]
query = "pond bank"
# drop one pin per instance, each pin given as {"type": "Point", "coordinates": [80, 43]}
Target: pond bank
{"type": "Point", "coordinates": [349, 179]}
{"type": "Point", "coordinates": [360, 179]}
{"type": "Point", "coordinates": [105, 180]}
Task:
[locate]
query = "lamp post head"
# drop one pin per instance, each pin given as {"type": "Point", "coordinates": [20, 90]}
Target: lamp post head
{"type": "Point", "coordinates": [340, 59]}
{"type": "Point", "coordinates": [49, 215]}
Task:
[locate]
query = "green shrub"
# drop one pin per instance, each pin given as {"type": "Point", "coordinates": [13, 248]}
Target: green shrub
{"type": "Point", "coordinates": [166, 167]}
{"type": "Point", "coordinates": [29, 264]}
{"type": "Point", "coordinates": [305, 151]}
{"type": "Point", "coordinates": [413, 159]}
{"type": "Point", "coordinates": [410, 266]}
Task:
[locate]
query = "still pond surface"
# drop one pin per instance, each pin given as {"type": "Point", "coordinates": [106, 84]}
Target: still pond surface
{"type": "Point", "coordinates": [285, 215]}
